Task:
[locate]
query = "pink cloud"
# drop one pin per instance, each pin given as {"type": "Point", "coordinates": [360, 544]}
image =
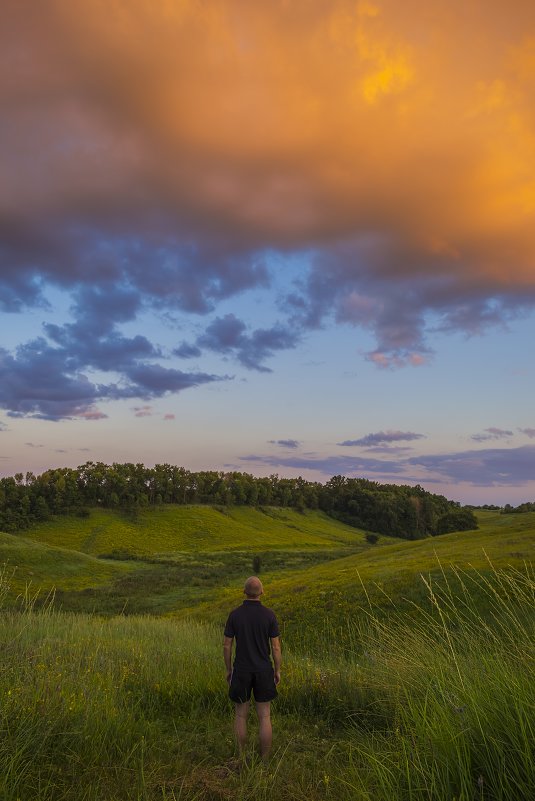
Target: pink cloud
{"type": "Point", "coordinates": [92, 414]}
{"type": "Point", "coordinates": [169, 417]}
{"type": "Point", "coordinates": [391, 361]}
{"type": "Point", "coordinates": [142, 411]}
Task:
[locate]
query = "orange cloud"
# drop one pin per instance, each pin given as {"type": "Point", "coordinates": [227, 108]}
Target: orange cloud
{"type": "Point", "coordinates": [290, 124]}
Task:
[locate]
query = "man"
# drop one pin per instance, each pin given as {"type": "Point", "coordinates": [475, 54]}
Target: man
{"type": "Point", "coordinates": [254, 627]}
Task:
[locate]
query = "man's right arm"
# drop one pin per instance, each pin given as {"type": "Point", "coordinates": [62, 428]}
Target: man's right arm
{"type": "Point", "coordinates": [227, 655]}
{"type": "Point", "coordinates": [277, 657]}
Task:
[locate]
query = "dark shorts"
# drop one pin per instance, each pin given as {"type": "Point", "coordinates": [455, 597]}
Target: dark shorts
{"type": "Point", "coordinates": [262, 683]}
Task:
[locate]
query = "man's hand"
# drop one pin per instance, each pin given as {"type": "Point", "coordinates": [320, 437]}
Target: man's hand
{"type": "Point", "coordinates": [277, 675]}
{"type": "Point", "coordinates": [229, 676]}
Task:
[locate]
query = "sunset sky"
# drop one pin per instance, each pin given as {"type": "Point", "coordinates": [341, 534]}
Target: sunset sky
{"type": "Point", "coordinates": [292, 237]}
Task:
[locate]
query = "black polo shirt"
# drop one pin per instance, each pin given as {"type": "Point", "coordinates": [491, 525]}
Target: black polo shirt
{"type": "Point", "coordinates": [252, 625]}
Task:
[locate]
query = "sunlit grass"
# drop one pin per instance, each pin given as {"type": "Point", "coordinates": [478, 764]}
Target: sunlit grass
{"type": "Point", "coordinates": [390, 576]}
{"type": "Point", "coordinates": [47, 567]}
{"type": "Point", "coordinates": [173, 528]}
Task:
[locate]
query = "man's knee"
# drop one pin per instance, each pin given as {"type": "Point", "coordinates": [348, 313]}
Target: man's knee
{"type": "Point", "coordinates": [242, 710]}
{"type": "Point", "coordinates": [263, 709]}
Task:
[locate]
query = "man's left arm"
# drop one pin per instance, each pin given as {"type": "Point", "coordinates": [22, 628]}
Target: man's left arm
{"type": "Point", "coordinates": [227, 654]}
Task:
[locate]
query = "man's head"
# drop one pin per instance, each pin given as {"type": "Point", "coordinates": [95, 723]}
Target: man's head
{"type": "Point", "coordinates": [253, 588]}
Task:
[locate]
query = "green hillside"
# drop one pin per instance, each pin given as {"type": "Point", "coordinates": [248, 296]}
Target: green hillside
{"type": "Point", "coordinates": [177, 555]}
{"type": "Point", "coordinates": [338, 588]}
{"type": "Point", "coordinates": [193, 560]}
{"type": "Point", "coordinates": [46, 567]}
{"type": "Point", "coordinates": [195, 528]}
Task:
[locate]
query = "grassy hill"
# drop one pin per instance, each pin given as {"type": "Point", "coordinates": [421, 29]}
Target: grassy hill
{"type": "Point", "coordinates": [193, 560]}
{"type": "Point", "coordinates": [162, 560]}
{"type": "Point", "coordinates": [46, 567]}
{"type": "Point", "coordinates": [195, 528]}
{"type": "Point", "coordinates": [384, 576]}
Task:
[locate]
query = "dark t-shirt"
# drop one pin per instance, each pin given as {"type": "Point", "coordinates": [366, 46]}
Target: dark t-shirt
{"type": "Point", "coordinates": [252, 625]}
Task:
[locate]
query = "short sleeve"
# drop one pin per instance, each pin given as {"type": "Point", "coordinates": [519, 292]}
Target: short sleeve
{"type": "Point", "coordinates": [229, 627]}
{"type": "Point", "coordinates": [274, 627]}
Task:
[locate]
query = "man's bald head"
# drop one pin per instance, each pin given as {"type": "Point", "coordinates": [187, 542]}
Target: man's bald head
{"type": "Point", "coordinates": [253, 587]}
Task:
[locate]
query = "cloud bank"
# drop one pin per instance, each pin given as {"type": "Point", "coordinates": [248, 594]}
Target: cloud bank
{"type": "Point", "coordinates": [490, 467]}
{"type": "Point", "coordinates": [157, 156]}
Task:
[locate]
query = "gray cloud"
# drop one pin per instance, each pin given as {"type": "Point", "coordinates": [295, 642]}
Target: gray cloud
{"type": "Point", "coordinates": [285, 443]}
{"type": "Point", "coordinates": [355, 283]}
{"type": "Point", "coordinates": [492, 433]}
{"type": "Point", "coordinates": [483, 468]}
{"type": "Point", "coordinates": [390, 450]}
{"type": "Point", "coordinates": [228, 335]}
{"type": "Point", "coordinates": [381, 437]}
{"type": "Point", "coordinates": [187, 351]}
{"type": "Point", "coordinates": [142, 411]}
{"type": "Point", "coordinates": [46, 382]}
{"type": "Point", "coordinates": [330, 465]}
{"type": "Point", "coordinates": [153, 380]}
{"type": "Point", "coordinates": [529, 432]}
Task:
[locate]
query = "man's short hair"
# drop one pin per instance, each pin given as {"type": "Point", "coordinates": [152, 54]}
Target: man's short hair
{"type": "Point", "coordinates": [253, 587]}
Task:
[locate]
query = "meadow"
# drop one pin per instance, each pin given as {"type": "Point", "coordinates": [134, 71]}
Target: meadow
{"type": "Point", "coordinates": [408, 667]}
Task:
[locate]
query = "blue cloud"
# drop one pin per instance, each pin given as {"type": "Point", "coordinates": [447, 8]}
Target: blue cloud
{"type": "Point", "coordinates": [228, 335]}
{"type": "Point", "coordinates": [483, 468]}
{"type": "Point", "coordinates": [492, 433]}
{"type": "Point", "coordinates": [46, 382]}
{"type": "Point", "coordinates": [381, 437]}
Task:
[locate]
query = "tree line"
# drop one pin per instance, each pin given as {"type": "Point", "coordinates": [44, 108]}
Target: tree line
{"type": "Point", "coordinates": [400, 511]}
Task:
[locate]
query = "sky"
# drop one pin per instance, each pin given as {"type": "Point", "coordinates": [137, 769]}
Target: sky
{"type": "Point", "coordinates": [294, 237]}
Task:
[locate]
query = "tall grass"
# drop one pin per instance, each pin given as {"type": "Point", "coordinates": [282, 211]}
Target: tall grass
{"type": "Point", "coordinates": [438, 706]}
{"type": "Point", "coordinates": [457, 688]}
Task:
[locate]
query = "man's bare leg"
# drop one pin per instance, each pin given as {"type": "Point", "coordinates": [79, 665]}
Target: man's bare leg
{"type": "Point", "coordinates": [240, 725]}
{"type": "Point", "coordinates": [263, 710]}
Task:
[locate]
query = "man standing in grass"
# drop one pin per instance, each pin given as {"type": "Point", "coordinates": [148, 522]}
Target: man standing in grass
{"type": "Point", "coordinates": [254, 627]}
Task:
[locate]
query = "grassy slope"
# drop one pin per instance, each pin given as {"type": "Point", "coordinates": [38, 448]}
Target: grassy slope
{"type": "Point", "coordinates": [46, 566]}
{"type": "Point", "coordinates": [137, 710]}
{"type": "Point", "coordinates": [195, 528]}
{"type": "Point", "coordinates": [197, 553]}
{"type": "Point", "coordinates": [393, 571]}
{"type": "Point", "coordinates": [183, 553]}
